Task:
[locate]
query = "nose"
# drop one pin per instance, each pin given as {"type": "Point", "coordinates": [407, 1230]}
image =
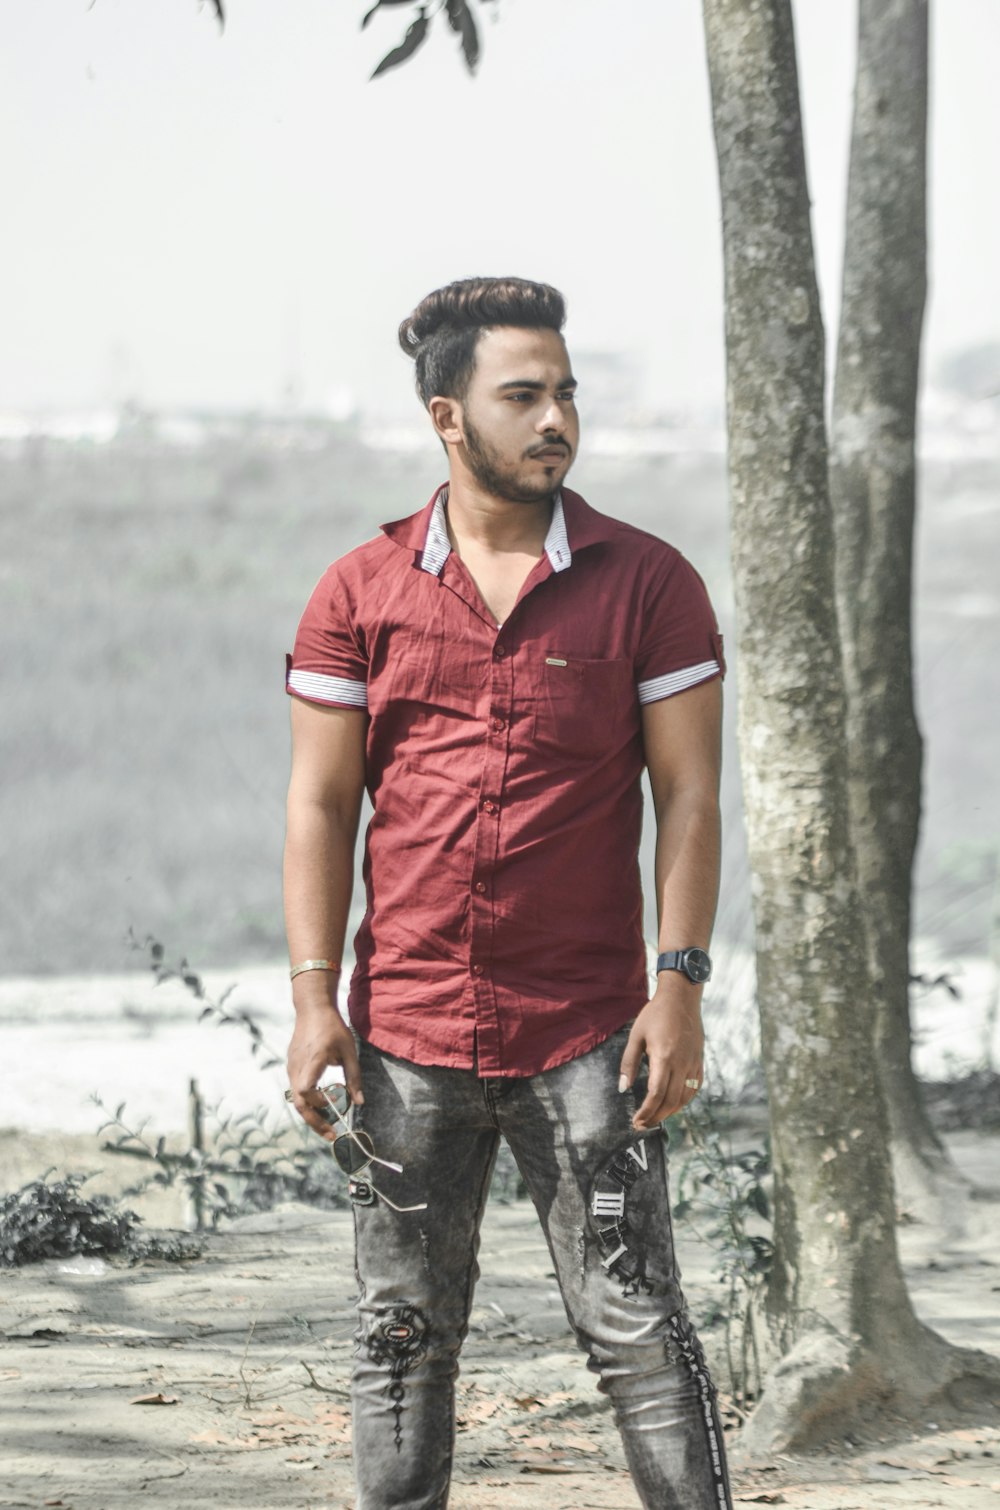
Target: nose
{"type": "Point", "coordinates": [551, 418]}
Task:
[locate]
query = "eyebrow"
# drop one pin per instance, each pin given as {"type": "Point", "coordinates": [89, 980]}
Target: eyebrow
{"type": "Point", "coordinates": [535, 386]}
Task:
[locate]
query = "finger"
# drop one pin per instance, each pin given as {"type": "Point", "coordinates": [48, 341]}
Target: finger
{"type": "Point", "coordinates": [314, 1108]}
{"type": "Point", "coordinates": [676, 1096]}
{"type": "Point", "coordinates": [651, 1112]}
{"type": "Point", "coordinates": [631, 1059]}
{"type": "Point", "coordinates": [352, 1074]}
{"type": "Point", "coordinates": [313, 1117]}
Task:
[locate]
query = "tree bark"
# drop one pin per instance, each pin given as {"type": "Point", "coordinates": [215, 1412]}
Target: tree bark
{"type": "Point", "coordinates": [873, 488]}
{"type": "Point", "coordinates": [837, 1303]}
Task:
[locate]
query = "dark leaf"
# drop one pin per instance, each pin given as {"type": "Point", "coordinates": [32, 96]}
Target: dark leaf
{"type": "Point", "coordinates": [416, 34]}
{"type": "Point", "coordinates": [161, 1144]}
{"type": "Point", "coordinates": [217, 6]}
{"type": "Point", "coordinates": [460, 19]}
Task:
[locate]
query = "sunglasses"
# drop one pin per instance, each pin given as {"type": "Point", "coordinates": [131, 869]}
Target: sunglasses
{"type": "Point", "coordinates": [354, 1151]}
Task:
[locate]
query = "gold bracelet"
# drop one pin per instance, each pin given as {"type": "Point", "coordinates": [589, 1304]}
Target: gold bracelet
{"type": "Point", "coordinates": [312, 964]}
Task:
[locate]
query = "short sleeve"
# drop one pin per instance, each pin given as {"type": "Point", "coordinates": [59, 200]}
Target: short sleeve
{"type": "Point", "coordinates": [680, 644]}
{"type": "Point", "coordinates": [328, 663]}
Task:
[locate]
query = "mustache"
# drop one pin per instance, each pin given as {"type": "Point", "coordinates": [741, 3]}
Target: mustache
{"type": "Point", "coordinates": [549, 445]}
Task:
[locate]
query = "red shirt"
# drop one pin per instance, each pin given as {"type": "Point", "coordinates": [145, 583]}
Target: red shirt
{"type": "Point", "coordinates": [504, 922]}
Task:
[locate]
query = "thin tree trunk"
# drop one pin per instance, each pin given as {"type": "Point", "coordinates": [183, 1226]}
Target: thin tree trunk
{"type": "Point", "coordinates": [837, 1302]}
{"type": "Point", "coordinates": [873, 486]}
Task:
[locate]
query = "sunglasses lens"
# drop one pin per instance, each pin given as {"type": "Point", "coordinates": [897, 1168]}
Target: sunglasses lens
{"type": "Point", "coordinates": [336, 1101]}
{"type": "Point", "coordinates": [353, 1152]}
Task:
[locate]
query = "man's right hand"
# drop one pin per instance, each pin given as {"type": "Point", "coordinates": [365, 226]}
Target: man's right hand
{"type": "Point", "coordinates": [321, 1039]}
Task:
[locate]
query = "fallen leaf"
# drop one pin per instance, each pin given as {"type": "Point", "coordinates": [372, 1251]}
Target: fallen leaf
{"type": "Point", "coordinates": [582, 1444]}
{"type": "Point", "coordinates": [157, 1399]}
{"type": "Point", "coordinates": [481, 1411]}
{"type": "Point", "coordinates": [766, 1497]}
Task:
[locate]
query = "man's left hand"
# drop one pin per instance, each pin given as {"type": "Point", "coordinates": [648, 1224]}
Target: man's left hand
{"type": "Point", "coordinates": [668, 1031]}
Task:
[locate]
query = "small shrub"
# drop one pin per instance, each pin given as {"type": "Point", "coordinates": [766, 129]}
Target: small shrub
{"type": "Point", "coordinates": [53, 1219]}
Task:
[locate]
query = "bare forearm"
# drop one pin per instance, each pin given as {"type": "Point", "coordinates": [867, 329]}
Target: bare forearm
{"type": "Point", "coordinates": [318, 883]}
{"type": "Point", "coordinates": [686, 868]}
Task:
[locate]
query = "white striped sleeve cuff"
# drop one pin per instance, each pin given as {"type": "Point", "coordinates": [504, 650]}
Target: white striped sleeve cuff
{"type": "Point", "coordinates": [328, 689]}
{"type": "Point", "coordinates": [677, 681]}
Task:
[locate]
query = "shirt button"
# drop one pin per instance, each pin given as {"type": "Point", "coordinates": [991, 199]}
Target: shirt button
{"type": "Point", "coordinates": [477, 969]}
{"type": "Point", "coordinates": [499, 725]}
{"type": "Point", "coordinates": [489, 807]}
{"type": "Point", "coordinates": [480, 886]}
{"type": "Point", "coordinates": [499, 651]}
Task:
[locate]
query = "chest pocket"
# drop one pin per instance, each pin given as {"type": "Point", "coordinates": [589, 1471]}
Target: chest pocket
{"type": "Point", "coordinates": [584, 709]}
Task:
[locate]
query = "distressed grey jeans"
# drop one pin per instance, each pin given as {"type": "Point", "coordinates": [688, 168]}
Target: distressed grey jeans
{"type": "Point", "coordinates": [600, 1191]}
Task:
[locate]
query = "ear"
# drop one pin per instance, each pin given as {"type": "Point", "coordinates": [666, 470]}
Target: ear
{"type": "Point", "coordinates": [446, 417]}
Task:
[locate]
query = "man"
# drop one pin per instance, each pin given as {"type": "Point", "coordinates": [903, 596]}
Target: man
{"type": "Point", "coordinates": [496, 670]}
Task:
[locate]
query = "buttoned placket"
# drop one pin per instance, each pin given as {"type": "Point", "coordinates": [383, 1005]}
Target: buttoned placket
{"type": "Point", "coordinates": [500, 713]}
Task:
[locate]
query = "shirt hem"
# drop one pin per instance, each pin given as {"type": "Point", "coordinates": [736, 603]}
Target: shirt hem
{"type": "Point", "coordinates": [432, 1058]}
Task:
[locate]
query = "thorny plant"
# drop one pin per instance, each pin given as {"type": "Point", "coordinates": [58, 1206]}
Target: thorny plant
{"type": "Point", "coordinates": [252, 1165]}
{"type": "Point", "coordinates": [722, 1199]}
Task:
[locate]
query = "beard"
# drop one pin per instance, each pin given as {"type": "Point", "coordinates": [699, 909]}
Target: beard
{"type": "Point", "coordinates": [499, 477]}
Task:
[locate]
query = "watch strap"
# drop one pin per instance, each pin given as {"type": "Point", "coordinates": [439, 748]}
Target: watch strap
{"type": "Point", "coordinates": [684, 961]}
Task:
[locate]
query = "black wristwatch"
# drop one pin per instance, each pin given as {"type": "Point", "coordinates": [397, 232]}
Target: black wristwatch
{"type": "Point", "coordinates": [694, 963]}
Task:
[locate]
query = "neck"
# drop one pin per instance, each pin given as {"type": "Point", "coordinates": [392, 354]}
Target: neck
{"type": "Point", "coordinates": [496, 524]}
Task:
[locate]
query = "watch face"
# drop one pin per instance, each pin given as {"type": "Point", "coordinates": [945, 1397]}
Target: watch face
{"type": "Point", "coordinates": [697, 966]}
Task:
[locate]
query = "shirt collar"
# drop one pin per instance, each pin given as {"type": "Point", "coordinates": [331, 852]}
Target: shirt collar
{"type": "Point", "coordinates": [437, 547]}
{"type": "Point", "coordinates": [427, 532]}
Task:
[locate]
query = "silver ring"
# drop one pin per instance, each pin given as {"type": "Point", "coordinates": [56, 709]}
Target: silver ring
{"type": "Point", "coordinates": [693, 1085]}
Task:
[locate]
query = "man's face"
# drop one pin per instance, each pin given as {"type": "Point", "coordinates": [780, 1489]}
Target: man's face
{"type": "Point", "coordinates": [518, 418]}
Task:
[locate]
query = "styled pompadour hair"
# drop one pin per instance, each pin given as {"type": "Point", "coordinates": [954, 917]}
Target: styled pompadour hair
{"type": "Point", "coordinates": [442, 332]}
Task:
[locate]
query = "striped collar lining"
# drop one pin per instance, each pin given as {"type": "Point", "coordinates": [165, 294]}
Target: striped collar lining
{"type": "Point", "coordinates": [437, 547]}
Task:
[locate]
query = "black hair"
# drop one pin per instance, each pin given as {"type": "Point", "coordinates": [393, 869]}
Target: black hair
{"type": "Point", "coordinates": [442, 332]}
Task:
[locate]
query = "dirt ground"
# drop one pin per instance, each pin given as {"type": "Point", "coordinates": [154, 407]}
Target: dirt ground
{"type": "Point", "coordinates": [222, 1381]}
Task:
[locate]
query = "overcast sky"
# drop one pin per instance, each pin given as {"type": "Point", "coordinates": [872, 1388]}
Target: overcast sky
{"type": "Point", "coordinates": [192, 218]}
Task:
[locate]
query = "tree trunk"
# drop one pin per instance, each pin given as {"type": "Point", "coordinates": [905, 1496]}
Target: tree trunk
{"type": "Point", "coordinates": [838, 1306]}
{"type": "Point", "coordinates": [873, 485]}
